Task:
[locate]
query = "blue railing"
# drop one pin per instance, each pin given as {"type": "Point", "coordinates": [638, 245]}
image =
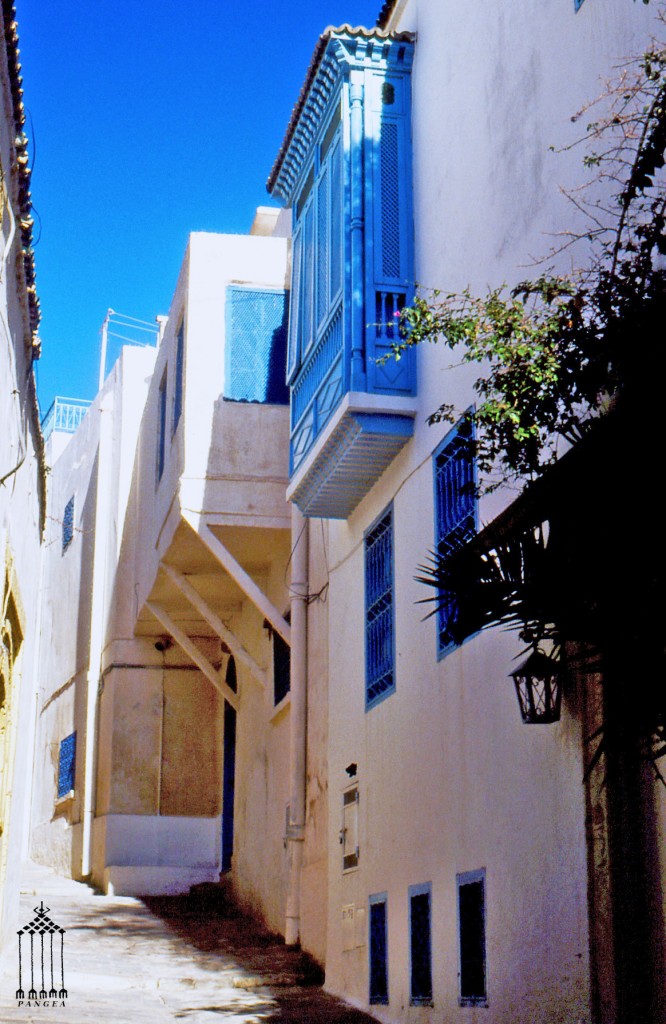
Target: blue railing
{"type": "Point", "coordinates": [65, 415]}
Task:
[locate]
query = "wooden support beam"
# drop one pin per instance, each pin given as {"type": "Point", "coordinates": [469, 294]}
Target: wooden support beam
{"type": "Point", "coordinates": [215, 622]}
{"type": "Point", "coordinates": [193, 652]}
{"type": "Point", "coordinates": [237, 573]}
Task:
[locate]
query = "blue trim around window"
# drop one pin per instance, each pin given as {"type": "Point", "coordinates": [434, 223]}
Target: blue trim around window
{"type": "Point", "coordinates": [67, 765]}
{"type": "Point", "coordinates": [379, 610]}
{"type": "Point", "coordinates": [68, 524]}
{"type": "Point", "coordinates": [420, 944]}
{"type": "Point", "coordinates": [378, 993]}
{"type": "Point", "coordinates": [454, 480]}
{"type": "Point", "coordinates": [471, 911]}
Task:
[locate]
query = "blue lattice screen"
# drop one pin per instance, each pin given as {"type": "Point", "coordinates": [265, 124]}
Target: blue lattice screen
{"type": "Point", "coordinates": [68, 524]}
{"type": "Point", "coordinates": [379, 646]}
{"type": "Point", "coordinates": [390, 198]}
{"type": "Point", "coordinates": [255, 356]}
{"type": "Point", "coordinates": [455, 511]}
{"type": "Point", "coordinates": [67, 765]}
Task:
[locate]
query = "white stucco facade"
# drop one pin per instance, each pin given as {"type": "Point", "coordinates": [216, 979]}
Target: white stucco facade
{"type": "Point", "coordinates": [22, 485]}
{"type": "Point", "coordinates": [166, 618]}
{"type": "Point", "coordinates": [450, 783]}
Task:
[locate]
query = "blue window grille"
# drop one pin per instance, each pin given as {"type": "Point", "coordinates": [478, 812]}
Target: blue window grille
{"type": "Point", "coordinates": [420, 945]}
{"type": "Point", "coordinates": [161, 426]}
{"type": "Point", "coordinates": [378, 944]}
{"type": "Point", "coordinates": [66, 765]}
{"type": "Point", "coordinates": [379, 638]}
{"type": "Point", "coordinates": [281, 668]}
{"type": "Point", "coordinates": [472, 937]}
{"type": "Point", "coordinates": [68, 524]}
{"type": "Point", "coordinates": [256, 345]}
{"type": "Point", "coordinates": [455, 512]}
{"type": "Point", "coordinates": [178, 383]}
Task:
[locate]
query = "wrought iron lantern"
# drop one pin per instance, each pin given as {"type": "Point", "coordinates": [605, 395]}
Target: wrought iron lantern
{"type": "Point", "coordinates": [538, 688]}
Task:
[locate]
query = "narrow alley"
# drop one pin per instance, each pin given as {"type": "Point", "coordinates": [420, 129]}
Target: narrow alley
{"type": "Point", "coordinates": [193, 958]}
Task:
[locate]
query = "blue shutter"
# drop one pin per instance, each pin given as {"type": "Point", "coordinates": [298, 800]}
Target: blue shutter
{"type": "Point", "coordinates": [68, 524]}
{"type": "Point", "coordinates": [379, 644]}
{"type": "Point", "coordinates": [337, 209]}
{"type": "Point", "coordinates": [378, 950]}
{"type": "Point", "coordinates": [390, 199]}
{"type": "Point", "coordinates": [293, 353]}
{"type": "Point", "coordinates": [67, 765]}
{"type": "Point", "coordinates": [455, 511]}
{"type": "Point", "coordinates": [255, 346]}
{"type": "Point", "coordinates": [420, 945]}
{"type": "Point", "coordinates": [308, 279]}
{"type": "Point", "coordinates": [472, 937]}
{"type": "Point", "coordinates": [323, 246]}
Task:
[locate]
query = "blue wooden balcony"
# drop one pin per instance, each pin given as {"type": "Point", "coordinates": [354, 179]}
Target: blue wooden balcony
{"type": "Point", "coordinates": [345, 169]}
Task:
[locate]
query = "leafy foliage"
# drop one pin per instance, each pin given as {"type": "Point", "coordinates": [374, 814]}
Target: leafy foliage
{"type": "Point", "coordinates": [574, 358]}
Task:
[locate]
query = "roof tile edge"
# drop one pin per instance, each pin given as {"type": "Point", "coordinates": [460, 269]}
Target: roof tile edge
{"type": "Point", "coordinates": [330, 32]}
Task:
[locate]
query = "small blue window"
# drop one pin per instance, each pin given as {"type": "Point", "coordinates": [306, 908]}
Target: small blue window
{"type": "Point", "coordinates": [161, 426]}
{"type": "Point", "coordinates": [378, 949]}
{"type": "Point", "coordinates": [578, 4]}
{"type": "Point", "coordinates": [379, 640]}
{"type": "Point", "coordinates": [67, 765]}
{"type": "Point", "coordinates": [68, 524]}
{"type": "Point", "coordinates": [472, 937]}
{"type": "Point", "coordinates": [455, 512]}
{"type": "Point", "coordinates": [420, 945]}
{"type": "Point", "coordinates": [178, 383]}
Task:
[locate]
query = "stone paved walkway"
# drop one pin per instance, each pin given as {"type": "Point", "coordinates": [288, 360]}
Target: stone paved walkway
{"type": "Point", "coordinates": [193, 959]}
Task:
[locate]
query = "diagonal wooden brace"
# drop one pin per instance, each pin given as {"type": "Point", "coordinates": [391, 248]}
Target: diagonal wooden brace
{"type": "Point", "coordinates": [237, 573]}
{"type": "Point", "coordinates": [190, 648]}
{"type": "Point", "coordinates": [215, 622]}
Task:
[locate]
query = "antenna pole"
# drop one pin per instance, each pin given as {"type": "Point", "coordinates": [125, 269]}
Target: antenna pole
{"type": "Point", "coordinates": [102, 355]}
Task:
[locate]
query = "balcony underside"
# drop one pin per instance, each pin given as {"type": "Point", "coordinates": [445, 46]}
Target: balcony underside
{"type": "Point", "coordinates": [349, 459]}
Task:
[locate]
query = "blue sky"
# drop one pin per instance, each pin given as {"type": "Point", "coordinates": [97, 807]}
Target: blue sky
{"type": "Point", "coordinates": [149, 119]}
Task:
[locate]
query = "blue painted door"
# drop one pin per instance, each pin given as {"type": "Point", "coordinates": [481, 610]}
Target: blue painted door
{"type": "Point", "coordinates": [228, 785]}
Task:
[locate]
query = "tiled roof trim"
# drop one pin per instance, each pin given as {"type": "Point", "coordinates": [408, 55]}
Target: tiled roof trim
{"type": "Point", "coordinates": [24, 231]}
{"type": "Point", "coordinates": [24, 218]}
{"type": "Point", "coordinates": [384, 15]}
{"type": "Point", "coordinates": [322, 42]}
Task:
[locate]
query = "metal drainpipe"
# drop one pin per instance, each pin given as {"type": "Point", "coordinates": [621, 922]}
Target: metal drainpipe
{"type": "Point", "coordinates": [103, 506]}
{"type": "Point", "coordinates": [299, 665]}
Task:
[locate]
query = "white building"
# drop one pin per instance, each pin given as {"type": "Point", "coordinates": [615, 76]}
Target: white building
{"type": "Point", "coordinates": [253, 688]}
{"type": "Point", "coordinates": [165, 707]}
{"type": "Point", "coordinates": [466, 878]}
{"type": "Point", "coordinates": [22, 478]}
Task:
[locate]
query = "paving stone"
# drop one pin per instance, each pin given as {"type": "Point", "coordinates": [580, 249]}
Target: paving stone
{"type": "Point", "coordinates": [194, 959]}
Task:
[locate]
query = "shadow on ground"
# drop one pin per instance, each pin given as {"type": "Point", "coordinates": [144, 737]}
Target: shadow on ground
{"type": "Point", "coordinates": [210, 922]}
